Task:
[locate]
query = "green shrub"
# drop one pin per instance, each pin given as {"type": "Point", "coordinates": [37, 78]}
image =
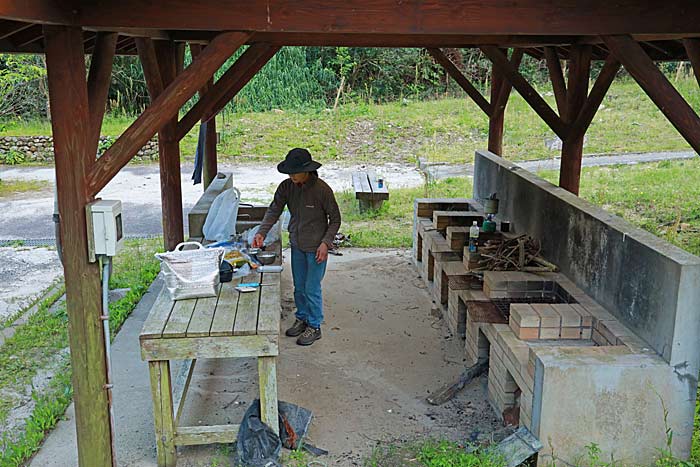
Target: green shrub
{"type": "Point", "coordinates": [12, 157]}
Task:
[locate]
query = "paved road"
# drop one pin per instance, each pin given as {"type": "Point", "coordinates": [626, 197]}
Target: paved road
{"type": "Point", "coordinates": [29, 216]}
{"type": "Point", "coordinates": [441, 171]}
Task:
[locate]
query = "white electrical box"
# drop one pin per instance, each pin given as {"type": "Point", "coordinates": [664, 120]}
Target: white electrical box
{"type": "Point", "coordinates": [105, 231]}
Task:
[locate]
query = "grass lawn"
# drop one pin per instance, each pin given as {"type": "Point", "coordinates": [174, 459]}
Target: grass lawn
{"type": "Point", "coordinates": [42, 342]}
{"type": "Point", "coordinates": [438, 130]}
{"type": "Point", "coordinates": [13, 187]}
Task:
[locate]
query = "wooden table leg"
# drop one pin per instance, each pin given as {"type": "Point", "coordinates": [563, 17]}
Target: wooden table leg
{"type": "Point", "coordinates": [161, 391]}
{"type": "Point", "coordinates": [267, 373]}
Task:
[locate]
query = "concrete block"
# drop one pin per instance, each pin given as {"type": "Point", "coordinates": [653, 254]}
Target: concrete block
{"type": "Point", "coordinates": [611, 397]}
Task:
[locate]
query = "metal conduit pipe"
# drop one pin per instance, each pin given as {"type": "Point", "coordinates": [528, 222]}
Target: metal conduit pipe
{"type": "Point", "coordinates": [106, 262]}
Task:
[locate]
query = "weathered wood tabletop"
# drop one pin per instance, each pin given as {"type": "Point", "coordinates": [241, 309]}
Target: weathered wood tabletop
{"type": "Point", "coordinates": [231, 325]}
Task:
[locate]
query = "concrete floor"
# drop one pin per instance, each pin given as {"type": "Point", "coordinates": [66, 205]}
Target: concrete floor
{"type": "Point", "coordinates": [365, 381]}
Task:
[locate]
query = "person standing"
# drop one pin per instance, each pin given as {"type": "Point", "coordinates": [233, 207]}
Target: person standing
{"type": "Point", "coordinates": [315, 219]}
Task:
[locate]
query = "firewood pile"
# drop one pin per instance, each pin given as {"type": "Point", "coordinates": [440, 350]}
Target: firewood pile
{"type": "Point", "coordinates": [520, 253]}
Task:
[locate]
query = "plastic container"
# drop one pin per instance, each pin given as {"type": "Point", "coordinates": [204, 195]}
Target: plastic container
{"type": "Point", "coordinates": [473, 237]}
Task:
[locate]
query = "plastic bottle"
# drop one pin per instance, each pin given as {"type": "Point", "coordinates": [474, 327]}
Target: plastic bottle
{"type": "Point", "coordinates": [473, 237]}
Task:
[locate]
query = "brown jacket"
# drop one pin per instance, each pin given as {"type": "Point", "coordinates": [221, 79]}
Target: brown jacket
{"type": "Point", "coordinates": [315, 214]}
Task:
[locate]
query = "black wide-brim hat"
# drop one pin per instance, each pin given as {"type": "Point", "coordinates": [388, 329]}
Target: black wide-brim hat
{"type": "Point", "coordinates": [298, 160]}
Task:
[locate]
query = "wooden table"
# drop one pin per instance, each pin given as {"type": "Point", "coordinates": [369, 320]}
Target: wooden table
{"type": "Point", "coordinates": [231, 325]}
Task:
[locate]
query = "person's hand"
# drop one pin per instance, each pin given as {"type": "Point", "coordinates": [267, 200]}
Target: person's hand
{"type": "Point", "coordinates": [258, 241]}
{"type": "Point", "coordinates": [321, 253]}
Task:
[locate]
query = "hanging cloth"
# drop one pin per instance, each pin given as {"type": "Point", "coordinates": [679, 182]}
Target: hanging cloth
{"type": "Point", "coordinates": [199, 154]}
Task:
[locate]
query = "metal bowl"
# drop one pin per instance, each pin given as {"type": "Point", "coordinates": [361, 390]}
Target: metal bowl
{"type": "Point", "coordinates": [254, 251]}
{"type": "Point", "coordinates": [266, 257]}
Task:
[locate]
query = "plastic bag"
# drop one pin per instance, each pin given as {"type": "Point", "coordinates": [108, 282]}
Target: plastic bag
{"type": "Point", "coordinates": [191, 273]}
{"type": "Point", "coordinates": [271, 237]}
{"type": "Point", "coordinates": [257, 444]}
{"type": "Point", "coordinates": [220, 223]}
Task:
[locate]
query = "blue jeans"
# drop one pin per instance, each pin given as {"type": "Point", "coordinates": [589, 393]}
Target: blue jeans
{"type": "Point", "coordinates": [307, 275]}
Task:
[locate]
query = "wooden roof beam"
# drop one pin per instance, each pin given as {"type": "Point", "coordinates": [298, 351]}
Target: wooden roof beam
{"type": "Point", "coordinates": [425, 17]}
{"type": "Point", "coordinates": [38, 11]}
{"type": "Point", "coordinates": [462, 80]}
{"type": "Point", "coordinates": [162, 108]}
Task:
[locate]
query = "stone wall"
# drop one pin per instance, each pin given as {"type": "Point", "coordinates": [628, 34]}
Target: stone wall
{"type": "Point", "coordinates": [40, 148]}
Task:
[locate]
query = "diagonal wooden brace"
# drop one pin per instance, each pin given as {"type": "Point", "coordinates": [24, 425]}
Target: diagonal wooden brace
{"type": "Point", "coordinates": [163, 108]}
{"type": "Point", "coordinates": [656, 86]}
{"type": "Point", "coordinates": [462, 80]}
{"type": "Point", "coordinates": [232, 78]}
{"type": "Point", "coordinates": [539, 105]}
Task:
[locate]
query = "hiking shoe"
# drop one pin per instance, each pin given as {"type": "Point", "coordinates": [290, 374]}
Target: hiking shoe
{"type": "Point", "coordinates": [309, 336]}
{"type": "Point", "coordinates": [297, 328]}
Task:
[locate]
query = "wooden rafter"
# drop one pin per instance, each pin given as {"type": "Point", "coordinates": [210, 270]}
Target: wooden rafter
{"type": "Point", "coordinates": [462, 80]}
{"type": "Point", "coordinates": [521, 85]}
{"type": "Point", "coordinates": [656, 86]}
{"type": "Point", "coordinates": [26, 36]}
{"type": "Point", "coordinates": [227, 86]}
{"type": "Point", "coordinates": [8, 28]}
{"type": "Point", "coordinates": [692, 47]}
{"type": "Point", "coordinates": [167, 104]}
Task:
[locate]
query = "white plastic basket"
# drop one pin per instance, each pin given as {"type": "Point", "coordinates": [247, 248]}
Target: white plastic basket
{"type": "Point", "coordinates": [191, 273]}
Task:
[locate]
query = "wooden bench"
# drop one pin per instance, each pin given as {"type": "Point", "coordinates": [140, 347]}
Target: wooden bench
{"type": "Point", "coordinates": [231, 325]}
{"type": "Point", "coordinates": [368, 191]}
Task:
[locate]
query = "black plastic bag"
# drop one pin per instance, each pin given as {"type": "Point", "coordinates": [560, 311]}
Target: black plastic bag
{"type": "Point", "coordinates": [257, 445]}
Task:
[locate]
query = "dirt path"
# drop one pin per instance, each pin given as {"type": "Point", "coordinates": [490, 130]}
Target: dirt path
{"type": "Point", "coordinates": [365, 381]}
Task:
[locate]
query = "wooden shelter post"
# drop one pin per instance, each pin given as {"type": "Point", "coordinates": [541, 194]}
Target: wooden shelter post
{"type": "Point", "coordinates": [169, 155]}
{"type": "Point", "coordinates": [500, 92]}
{"type": "Point", "coordinates": [73, 131]}
{"type": "Point", "coordinates": [576, 95]}
{"type": "Point", "coordinates": [159, 62]}
{"type": "Point", "coordinates": [210, 165]}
